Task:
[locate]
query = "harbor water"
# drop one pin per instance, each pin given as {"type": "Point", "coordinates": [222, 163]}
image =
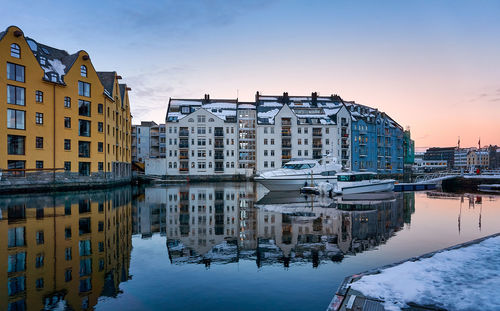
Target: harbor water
{"type": "Point", "coordinates": [215, 246]}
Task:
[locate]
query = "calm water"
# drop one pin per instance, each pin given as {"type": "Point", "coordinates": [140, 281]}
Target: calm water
{"type": "Point", "coordinates": [219, 246]}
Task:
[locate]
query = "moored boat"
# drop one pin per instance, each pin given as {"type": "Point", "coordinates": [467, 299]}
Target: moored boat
{"type": "Point", "coordinates": [361, 182]}
{"type": "Point", "coordinates": [299, 173]}
{"type": "Point", "coordinates": [489, 188]}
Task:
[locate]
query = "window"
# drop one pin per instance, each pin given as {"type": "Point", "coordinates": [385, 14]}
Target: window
{"type": "Point", "coordinates": [84, 128]}
{"type": "Point", "coordinates": [84, 168]}
{"type": "Point", "coordinates": [265, 163]}
{"type": "Point", "coordinates": [85, 247]}
{"type": "Point", "coordinates": [39, 164]}
{"type": "Point", "coordinates": [15, 50]}
{"type": "Point", "coordinates": [39, 237]}
{"type": "Point", "coordinates": [67, 102]}
{"type": "Point", "coordinates": [100, 226]}
{"type": "Point", "coordinates": [39, 118]}
{"type": "Point", "coordinates": [67, 166]}
{"type": "Point", "coordinates": [39, 283]}
{"type": "Point", "coordinates": [299, 130]}
{"type": "Point", "coordinates": [83, 71]}
{"type": "Point", "coordinates": [83, 89]}
{"type": "Point", "coordinates": [39, 260]}
{"type": "Point", "coordinates": [272, 141]}
{"type": "Point", "coordinates": [15, 72]}
{"type": "Point", "coordinates": [84, 149]}
{"type": "Point", "coordinates": [67, 122]}
{"type": "Point", "coordinates": [67, 275]}
{"type": "Point", "coordinates": [15, 95]}
{"type": "Point", "coordinates": [43, 60]}
{"type": "Point", "coordinates": [17, 262]}
{"type": "Point", "coordinates": [265, 153]}
{"type": "Point", "coordinates": [100, 127]}
{"type": "Point", "coordinates": [16, 119]}
{"type": "Point", "coordinates": [101, 247]}
{"type": "Point", "coordinates": [67, 232]}
{"type": "Point", "coordinates": [100, 166]}
{"type": "Point", "coordinates": [202, 130]}
{"type": "Point", "coordinates": [16, 285]}
{"type": "Point", "coordinates": [272, 153]}
{"type": "Point", "coordinates": [201, 119]}
{"type": "Point", "coordinates": [16, 164]}
{"type": "Point", "coordinates": [39, 96]}
{"type": "Point", "coordinates": [100, 147]}
{"type": "Point", "coordinates": [16, 237]}
{"type": "Point", "coordinates": [265, 141]}
{"type": "Point", "coordinates": [39, 142]}
{"type": "Point", "coordinates": [67, 144]}
{"type": "Point", "coordinates": [15, 144]}
{"type": "Point", "coordinates": [99, 108]}
{"type": "Point", "coordinates": [84, 108]}
{"type": "Point", "coordinates": [272, 163]}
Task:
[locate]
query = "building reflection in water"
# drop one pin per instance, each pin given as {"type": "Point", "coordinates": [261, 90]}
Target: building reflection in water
{"type": "Point", "coordinates": [226, 222]}
{"type": "Point", "coordinates": [63, 250]}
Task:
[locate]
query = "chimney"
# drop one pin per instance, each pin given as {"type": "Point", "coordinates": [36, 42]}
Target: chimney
{"type": "Point", "coordinates": [314, 99]}
{"type": "Point", "coordinates": [286, 99]}
{"type": "Point", "coordinates": [207, 98]}
{"type": "Point", "coordinates": [257, 97]}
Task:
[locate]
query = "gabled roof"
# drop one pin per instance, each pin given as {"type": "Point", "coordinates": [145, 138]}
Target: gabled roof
{"type": "Point", "coordinates": [222, 108]}
{"type": "Point", "coordinates": [55, 62]}
{"type": "Point", "coordinates": [108, 82]}
{"type": "Point", "coordinates": [123, 87]}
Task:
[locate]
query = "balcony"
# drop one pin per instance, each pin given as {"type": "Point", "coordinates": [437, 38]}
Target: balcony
{"type": "Point", "coordinates": [286, 146]}
{"type": "Point", "coordinates": [286, 122]}
{"type": "Point", "coordinates": [219, 133]}
{"type": "Point", "coordinates": [345, 146]}
{"type": "Point", "coordinates": [183, 169]}
{"type": "Point", "coordinates": [184, 146]}
{"type": "Point", "coordinates": [219, 169]}
{"type": "Point", "coordinates": [219, 157]}
{"type": "Point", "coordinates": [317, 146]}
{"type": "Point", "coordinates": [184, 133]}
{"type": "Point", "coordinates": [286, 133]}
{"type": "Point", "coordinates": [317, 133]}
{"type": "Point", "coordinates": [183, 156]}
{"type": "Point", "coordinates": [219, 146]}
{"type": "Point", "coordinates": [345, 157]}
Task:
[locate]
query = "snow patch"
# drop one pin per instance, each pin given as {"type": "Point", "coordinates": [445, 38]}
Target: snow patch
{"type": "Point", "coordinates": [467, 278]}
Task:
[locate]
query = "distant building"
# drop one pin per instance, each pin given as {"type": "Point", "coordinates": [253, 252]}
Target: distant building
{"type": "Point", "coordinates": [478, 159]}
{"type": "Point", "coordinates": [441, 153]}
{"type": "Point", "coordinates": [494, 157]}
{"type": "Point", "coordinates": [460, 158]}
{"type": "Point", "coordinates": [148, 141]}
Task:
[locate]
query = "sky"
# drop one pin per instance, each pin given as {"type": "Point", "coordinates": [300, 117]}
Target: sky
{"type": "Point", "coordinates": [433, 66]}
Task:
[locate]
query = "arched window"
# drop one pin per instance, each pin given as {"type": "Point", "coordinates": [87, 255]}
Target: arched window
{"type": "Point", "coordinates": [83, 71]}
{"type": "Point", "coordinates": [211, 120]}
{"type": "Point", "coordinates": [15, 50]}
{"type": "Point", "coordinates": [190, 120]}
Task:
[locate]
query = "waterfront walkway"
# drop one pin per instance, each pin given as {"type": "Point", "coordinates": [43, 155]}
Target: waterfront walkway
{"type": "Point", "coordinates": [463, 277]}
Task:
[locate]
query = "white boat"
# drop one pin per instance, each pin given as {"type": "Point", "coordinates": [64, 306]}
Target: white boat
{"type": "Point", "coordinates": [361, 182]}
{"type": "Point", "coordinates": [297, 174]}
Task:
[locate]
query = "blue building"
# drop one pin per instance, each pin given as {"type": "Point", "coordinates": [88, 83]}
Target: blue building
{"type": "Point", "coordinates": [377, 141]}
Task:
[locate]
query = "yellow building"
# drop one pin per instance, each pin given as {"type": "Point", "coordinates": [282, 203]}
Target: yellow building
{"type": "Point", "coordinates": [63, 249]}
{"type": "Point", "coordinates": [478, 159]}
{"type": "Point", "coordinates": [57, 112]}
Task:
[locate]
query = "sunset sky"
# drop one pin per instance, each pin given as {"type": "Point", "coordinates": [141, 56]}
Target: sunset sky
{"type": "Point", "coordinates": [431, 65]}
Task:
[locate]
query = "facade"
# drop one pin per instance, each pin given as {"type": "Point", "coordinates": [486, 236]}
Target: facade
{"type": "Point", "coordinates": [64, 251]}
{"type": "Point", "coordinates": [494, 157]}
{"type": "Point", "coordinates": [148, 141]}
{"type": "Point", "coordinates": [460, 158]}
{"type": "Point", "coordinates": [377, 141]}
{"type": "Point", "coordinates": [60, 115]}
{"type": "Point", "coordinates": [202, 137]}
{"type": "Point", "coordinates": [441, 153]}
{"type": "Point", "coordinates": [226, 137]}
{"type": "Point", "coordinates": [301, 127]}
{"type": "Point", "coordinates": [478, 159]}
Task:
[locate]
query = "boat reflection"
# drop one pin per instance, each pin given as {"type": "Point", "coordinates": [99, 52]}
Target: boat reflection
{"type": "Point", "coordinates": [63, 251]}
{"type": "Point", "coordinates": [224, 223]}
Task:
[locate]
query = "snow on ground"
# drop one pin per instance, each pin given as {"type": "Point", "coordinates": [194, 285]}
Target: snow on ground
{"type": "Point", "coordinates": [467, 278]}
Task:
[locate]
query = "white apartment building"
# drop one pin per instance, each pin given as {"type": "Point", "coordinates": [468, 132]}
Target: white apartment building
{"type": "Point", "coordinates": [148, 141]}
{"type": "Point", "coordinates": [202, 137]}
{"type": "Point", "coordinates": [301, 127]}
{"type": "Point", "coordinates": [460, 158]}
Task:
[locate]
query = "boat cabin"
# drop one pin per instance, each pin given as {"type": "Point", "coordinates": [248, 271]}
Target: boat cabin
{"type": "Point", "coordinates": [299, 166]}
{"type": "Point", "coordinates": [350, 177]}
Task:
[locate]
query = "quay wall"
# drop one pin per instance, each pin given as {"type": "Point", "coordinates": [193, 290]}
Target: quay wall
{"type": "Point", "coordinates": [42, 181]}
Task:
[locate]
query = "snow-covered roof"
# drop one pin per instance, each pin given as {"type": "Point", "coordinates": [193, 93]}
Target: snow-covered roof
{"type": "Point", "coordinates": [224, 109]}
{"type": "Point", "coordinates": [56, 63]}
{"type": "Point", "coordinates": [320, 110]}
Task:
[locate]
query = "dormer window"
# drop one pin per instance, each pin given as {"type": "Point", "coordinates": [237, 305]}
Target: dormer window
{"type": "Point", "coordinates": [42, 60]}
{"type": "Point", "coordinates": [15, 50]}
{"type": "Point", "coordinates": [185, 109]}
{"type": "Point", "coordinates": [83, 71]}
